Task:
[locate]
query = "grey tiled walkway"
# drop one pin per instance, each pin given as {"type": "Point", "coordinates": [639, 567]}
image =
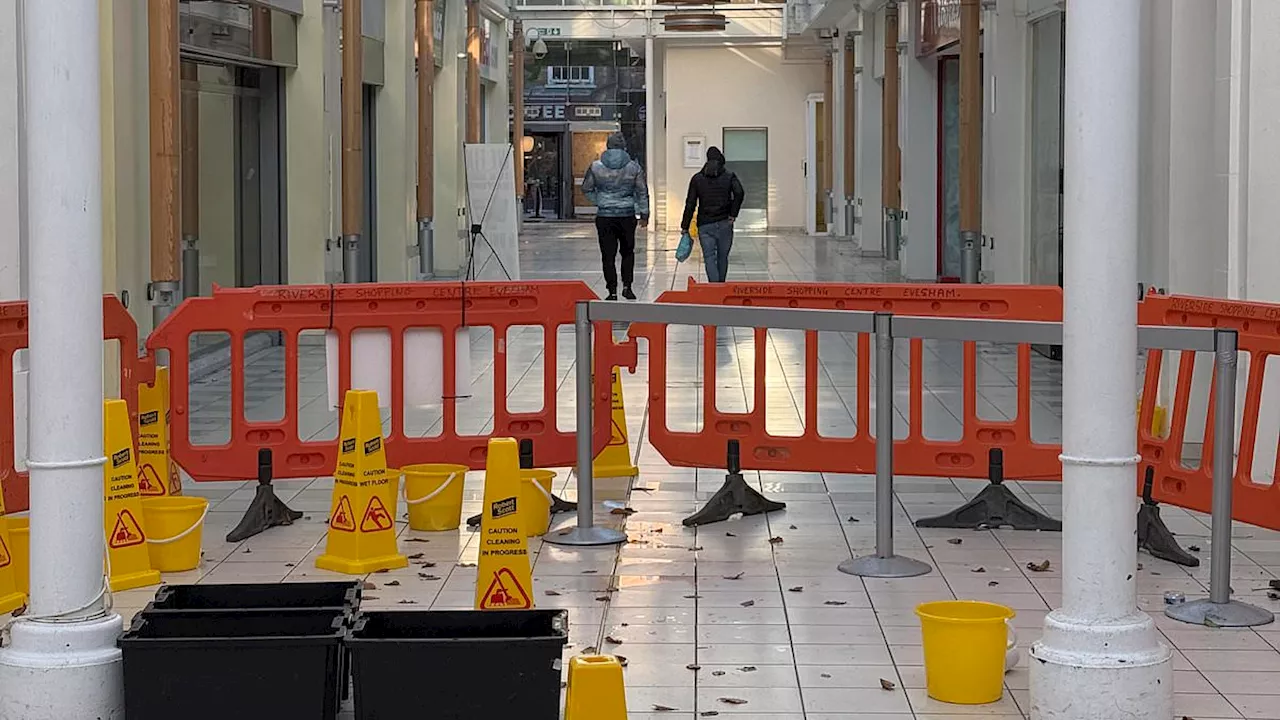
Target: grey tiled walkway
{"type": "Point", "coordinates": [722, 612]}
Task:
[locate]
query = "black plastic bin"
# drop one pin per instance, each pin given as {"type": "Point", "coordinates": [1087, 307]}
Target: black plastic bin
{"type": "Point", "coordinates": [239, 666]}
{"type": "Point", "coordinates": [254, 596]}
{"type": "Point", "coordinates": [463, 665]}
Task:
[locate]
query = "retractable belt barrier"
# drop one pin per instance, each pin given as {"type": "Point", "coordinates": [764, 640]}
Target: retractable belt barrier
{"type": "Point", "coordinates": [1188, 482]}
{"type": "Point", "coordinates": [340, 311]}
{"type": "Point", "coordinates": [811, 451]}
{"type": "Point", "coordinates": [117, 324]}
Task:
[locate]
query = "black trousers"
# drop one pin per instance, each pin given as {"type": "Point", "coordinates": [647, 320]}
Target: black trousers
{"type": "Point", "coordinates": [617, 233]}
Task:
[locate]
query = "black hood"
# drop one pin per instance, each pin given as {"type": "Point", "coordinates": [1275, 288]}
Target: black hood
{"type": "Point", "coordinates": [715, 163]}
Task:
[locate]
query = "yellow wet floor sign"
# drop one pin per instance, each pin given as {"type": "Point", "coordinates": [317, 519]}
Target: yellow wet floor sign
{"type": "Point", "coordinates": [614, 461]}
{"type": "Point", "coordinates": [126, 538]}
{"type": "Point", "coordinates": [362, 532]}
{"type": "Point", "coordinates": [10, 598]}
{"type": "Point", "coordinates": [503, 578]}
{"type": "Point", "coordinates": [157, 475]}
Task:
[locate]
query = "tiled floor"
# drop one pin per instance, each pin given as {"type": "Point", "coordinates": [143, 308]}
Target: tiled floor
{"type": "Point", "coordinates": [753, 609]}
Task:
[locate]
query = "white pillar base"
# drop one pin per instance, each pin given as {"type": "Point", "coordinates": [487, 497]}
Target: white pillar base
{"type": "Point", "coordinates": [1097, 670]}
{"type": "Point", "coordinates": [59, 671]}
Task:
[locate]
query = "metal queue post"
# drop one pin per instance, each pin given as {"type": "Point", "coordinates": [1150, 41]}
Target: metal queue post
{"type": "Point", "coordinates": [1219, 610]}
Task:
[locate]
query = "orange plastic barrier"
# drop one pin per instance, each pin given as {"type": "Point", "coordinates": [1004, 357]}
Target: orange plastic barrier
{"type": "Point", "coordinates": [396, 307]}
{"type": "Point", "coordinates": [1258, 334]}
{"type": "Point", "coordinates": [118, 325]}
{"type": "Point", "coordinates": [1024, 459]}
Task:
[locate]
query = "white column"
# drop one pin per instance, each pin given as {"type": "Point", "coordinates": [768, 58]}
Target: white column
{"type": "Point", "coordinates": [1100, 656]}
{"type": "Point", "coordinates": [1007, 107]}
{"type": "Point", "coordinates": [651, 120]}
{"type": "Point", "coordinates": [62, 661]}
{"type": "Point", "coordinates": [12, 277]}
{"type": "Point", "coordinates": [838, 91]}
{"type": "Point", "coordinates": [918, 111]}
{"type": "Point", "coordinates": [867, 157]}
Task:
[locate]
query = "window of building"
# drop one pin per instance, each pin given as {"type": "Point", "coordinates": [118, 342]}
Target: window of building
{"type": "Point", "coordinates": [565, 76]}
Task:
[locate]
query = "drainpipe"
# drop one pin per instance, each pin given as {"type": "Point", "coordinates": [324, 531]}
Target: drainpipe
{"type": "Point", "coordinates": [850, 134]}
{"type": "Point", "coordinates": [828, 143]}
{"type": "Point", "coordinates": [190, 165]}
{"type": "Point", "coordinates": [970, 140]}
{"type": "Point", "coordinates": [352, 139]}
{"type": "Point", "coordinates": [162, 79]}
{"type": "Point", "coordinates": [62, 661]}
{"type": "Point", "coordinates": [1100, 656]}
{"type": "Point", "coordinates": [890, 156]}
{"type": "Point", "coordinates": [473, 71]}
{"type": "Point", "coordinates": [517, 104]}
{"type": "Point", "coordinates": [424, 25]}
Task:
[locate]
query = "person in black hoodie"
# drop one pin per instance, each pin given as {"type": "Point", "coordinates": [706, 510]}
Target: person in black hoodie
{"type": "Point", "coordinates": [717, 195]}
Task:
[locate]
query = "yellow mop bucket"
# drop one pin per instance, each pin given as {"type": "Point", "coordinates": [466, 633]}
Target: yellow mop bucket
{"type": "Point", "coordinates": [535, 496]}
{"type": "Point", "coordinates": [433, 492]}
{"type": "Point", "coordinates": [965, 642]}
{"type": "Point", "coordinates": [174, 525]}
{"type": "Point", "coordinates": [20, 549]}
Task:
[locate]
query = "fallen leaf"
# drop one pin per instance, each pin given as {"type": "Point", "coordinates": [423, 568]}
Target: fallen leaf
{"type": "Point", "coordinates": [602, 598]}
{"type": "Point", "coordinates": [1042, 566]}
{"type": "Point", "coordinates": [729, 534]}
{"type": "Point", "coordinates": [464, 565]}
{"type": "Point", "coordinates": [717, 673]}
{"type": "Point", "coordinates": [551, 593]}
{"type": "Point", "coordinates": [885, 684]}
{"type": "Point", "coordinates": [793, 527]}
{"type": "Point", "coordinates": [978, 569]}
{"type": "Point", "coordinates": [19, 611]}
{"type": "Point", "coordinates": [408, 602]}
{"type": "Point", "coordinates": [709, 713]}
{"type": "Point", "coordinates": [835, 602]}
{"type": "Point", "coordinates": [623, 511]}
{"type": "Point", "coordinates": [658, 530]}
{"type": "Point", "coordinates": [955, 541]}
{"type": "Point", "coordinates": [738, 576]}
{"type": "Point", "coordinates": [393, 583]}
{"type": "Point", "coordinates": [368, 586]}
{"type": "Point", "coordinates": [427, 576]}
{"type": "Point", "coordinates": [798, 588]}
{"type": "Point", "coordinates": [853, 519]}
{"type": "Point", "coordinates": [696, 548]}
{"type": "Point", "coordinates": [590, 572]}
{"type": "Point", "coordinates": [993, 583]}
{"type": "Point", "coordinates": [1193, 548]}
{"type": "Point", "coordinates": [748, 668]}
{"type": "Point", "coordinates": [825, 676]}
{"type": "Point", "coordinates": [416, 540]}
{"type": "Point", "coordinates": [622, 660]}
{"type": "Point", "coordinates": [775, 541]}
{"type": "Point", "coordinates": [1274, 584]}
{"type": "Point", "coordinates": [290, 564]}
{"type": "Point", "coordinates": [427, 565]}
{"type": "Point", "coordinates": [370, 597]}
{"type": "Point", "coordinates": [693, 667]}
{"type": "Point", "coordinates": [747, 603]}
{"type": "Point", "coordinates": [662, 708]}
{"type": "Point", "coordinates": [1273, 595]}
{"type": "Point", "coordinates": [692, 597]}
{"type": "Point", "coordinates": [612, 640]}
{"type": "Point", "coordinates": [732, 701]}
{"type": "Point", "coordinates": [417, 556]}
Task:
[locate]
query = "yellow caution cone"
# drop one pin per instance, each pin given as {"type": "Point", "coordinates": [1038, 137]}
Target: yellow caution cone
{"type": "Point", "coordinates": [596, 690]}
{"type": "Point", "coordinates": [614, 461]}
{"type": "Point", "coordinates": [10, 597]}
{"type": "Point", "coordinates": [362, 531]}
{"type": "Point", "coordinates": [504, 580]}
{"type": "Point", "coordinates": [127, 553]}
{"type": "Point", "coordinates": [157, 475]}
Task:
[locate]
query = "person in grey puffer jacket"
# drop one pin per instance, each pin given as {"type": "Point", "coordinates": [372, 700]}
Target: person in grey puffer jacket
{"type": "Point", "coordinates": [616, 184]}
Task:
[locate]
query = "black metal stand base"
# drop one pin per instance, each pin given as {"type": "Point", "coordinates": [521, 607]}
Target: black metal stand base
{"type": "Point", "coordinates": [996, 506]}
{"type": "Point", "coordinates": [735, 497]}
{"type": "Point", "coordinates": [266, 510]}
{"type": "Point", "coordinates": [1153, 535]}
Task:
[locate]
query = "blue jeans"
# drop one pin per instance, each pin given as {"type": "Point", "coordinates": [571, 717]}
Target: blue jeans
{"type": "Point", "coordinates": [716, 240]}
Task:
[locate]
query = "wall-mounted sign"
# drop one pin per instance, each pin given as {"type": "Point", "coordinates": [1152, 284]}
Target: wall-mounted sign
{"type": "Point", "coordinates": [587, 111]}
{"type": "Point", "coordinates": [547, 31]}
{"type": "Point", "coordinates": [695, 150]}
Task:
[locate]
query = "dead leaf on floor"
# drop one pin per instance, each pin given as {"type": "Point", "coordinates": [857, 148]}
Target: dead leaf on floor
{"type": "Point", "coordinates": [290, 564]}
{"type": "Point", "coordinates": [408, 602]}
{"type": "Point", "coordinates": [663, 708]}
{"type": "Point", "coordinates": [427, 565]}
{"type": "Point", "coordinates": [692, 597]}
{"type": "Point", "coordinates": [1042, 566]}
{"type": "Point", "coordinates": [590, 572]}
{"type": "Point", "coordinates": [993, 583]}
{"type": "Point", "coordinates": [748, 668]}
{"type": "Point", "coordinates": [612, 640]}
{"type": "Point", "coordinates": [466, 564]}
{"type": "Point", "coordinates": [417, 556]}
{"type": "Point", "coordinates": [885, 684]}
{"type": "Point", "coordinates": [709, 713]}
{"type": "Point", "coordinates": [693, 667]}
{"type": "Point", "coordinates": [428, 576]}
{"type": "Point", "coordinates": [658, 530]}
{"type": "Point", "coordinates": [793, 527]}
{"type": "Point", "coordinates": [747, 603]}
{"type": "Point", "coordinates": [623, 511]}
{"type": "Point", "coordinates": [835, 602]}
{"type": "Point", "coordinates": [393, 583]}
{"type": "Point", "coordinates": [737, 576]}
{"type": "Point", "coordinates": [853, 519]}
{"type": "Point", "coordinates": [370, 598]}
{"type": "Point", "coordinates": [955, 541]}
{"type": "Point", "coordinates": [717, 673]}
{"type": "Point", "coordinates": [368, 586]}
{"type": "Point", "coordinates": [798, 588]}
{"type": "Point", "coordinates": [622, 660]}
{"type": "Point", "coordinates": [825, 676]}
{"type": "Point", "coordinates": [416, 540]}
{"type": "Point", "coordinates": [1274, 584]}
{"type": "Point", "coordinates": [732, 701]}
{"type": "Point", "coordinates": [19, 611]}
{"type": "Point", "coordinates": [696, 548]}
{"type": "Point", "coordinates": [729, 534]}
{"type": "Point", "coordinates": [1273, 595]}
{"type": "Point", "coordinates": [1193, 548]}
{"type": "Point", "coordinates": [602, 598]}
{"type": "Point", "coordinates": [775, 541]}
{"type": "Point", "coordinates": [978, 569]}
{"type": "Point", "coordinates": [551, 593]}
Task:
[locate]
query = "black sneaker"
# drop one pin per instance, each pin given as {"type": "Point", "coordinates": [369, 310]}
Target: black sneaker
{"type": "Point", "coordinates": [611, 296]}
{"type": "Point", "coordinates": [626, 293]}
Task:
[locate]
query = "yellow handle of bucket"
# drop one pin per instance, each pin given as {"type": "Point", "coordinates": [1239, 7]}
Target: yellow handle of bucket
{"type": "Point", "coordinates": [433, 494]}
{"type": "Point", "coordinates": [184, 533]}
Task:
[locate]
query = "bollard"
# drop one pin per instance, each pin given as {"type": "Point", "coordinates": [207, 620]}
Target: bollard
{"type": "Point", "coordinates": [892, 233]}
{"type": "Point", "coordinates": [1219, 610]}
{"type": "Point", "coordinates": [585, 534]}
{"type": "Point", "coordinates": [970, 257]}
{"type": "Point", "coordinates": [884, 564]}
{"type": "Point", "coordinates": [850, 216]}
